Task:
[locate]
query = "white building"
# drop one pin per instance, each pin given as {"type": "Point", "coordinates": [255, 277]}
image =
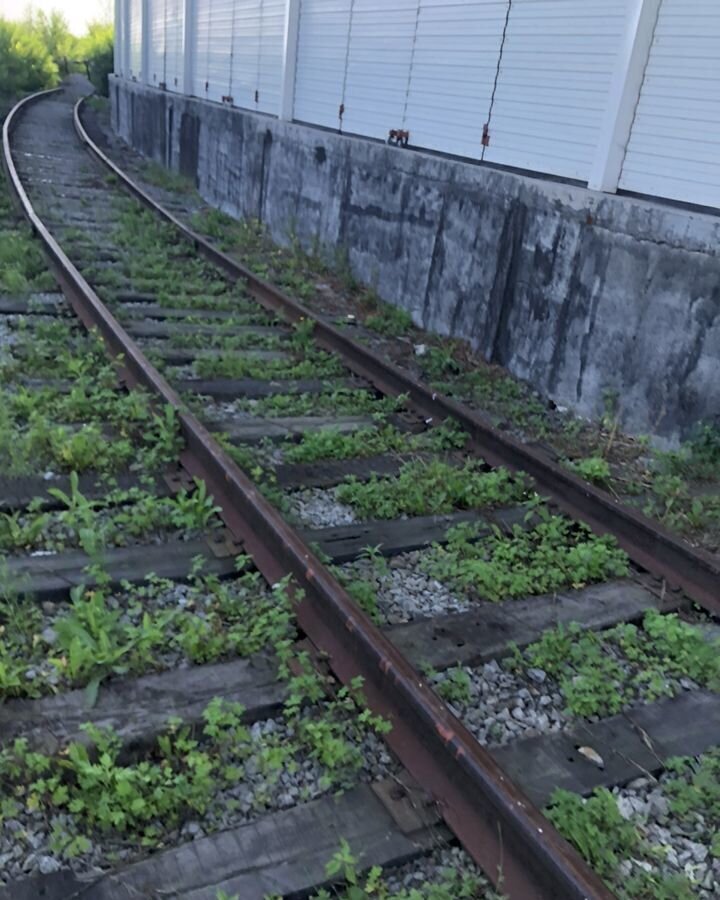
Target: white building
{"type": "Point", "coordinates": [615, 94]}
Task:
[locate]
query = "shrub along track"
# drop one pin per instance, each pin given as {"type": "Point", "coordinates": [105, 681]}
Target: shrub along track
{"type": "Point", "coordinates": [239, 360]}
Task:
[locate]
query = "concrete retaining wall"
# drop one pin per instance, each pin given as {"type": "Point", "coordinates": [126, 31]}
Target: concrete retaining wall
{"type": "Point", "coordinates": [579, 293]}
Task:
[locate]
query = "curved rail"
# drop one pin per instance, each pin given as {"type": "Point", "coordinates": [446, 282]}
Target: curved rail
{"type": "Point", "coordinates": [649, 545]}
{"type": "Point", "coordinates": [495, 822]}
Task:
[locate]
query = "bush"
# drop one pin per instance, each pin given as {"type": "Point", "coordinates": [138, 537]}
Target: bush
{"type": "Point", "coordinates": [25, 62]}
{"type": "Point", "coordinates": [96, 48]}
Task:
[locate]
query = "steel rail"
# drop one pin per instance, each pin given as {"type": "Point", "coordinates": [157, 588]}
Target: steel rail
{"type": "Point", "coordinates": [648, 544]}
{"type": "Point", "coordinates": [505, 834]}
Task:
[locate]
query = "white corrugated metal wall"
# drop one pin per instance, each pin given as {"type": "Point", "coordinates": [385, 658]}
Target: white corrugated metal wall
{"type": "Point", "coordinates": [174, 32]}
{"type": "Point", "coordinates": [536, 75]}
{"type": "Point", "coordinates": [270, 61]}
{"type": "Point", "coordinates": [219, 48]}
{"type": "Point", "coordinates": [454, 63]}
{"type": "Point", "coordinates": [245, 52]}
{"type": "Point", "coordinates": [553, 80]}
{"type": "Point", "coordinates": [200, 48]}
{"type": "Point", "coordinates": [321, 60]}
{"type": "Point", "coordinates": [379, 53]}
{"type": "Point", "coordinates": [135, 35]}
{"type": "Point", "coordinates": [674, 147]}
{"type": "Point", "coordinates": [156, 59]}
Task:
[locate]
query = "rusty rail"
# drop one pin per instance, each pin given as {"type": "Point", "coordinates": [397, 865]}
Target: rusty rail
{"type": "Point", "coordinates": [504, 833]}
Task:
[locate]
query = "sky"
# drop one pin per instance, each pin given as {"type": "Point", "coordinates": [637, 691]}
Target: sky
{"type": "Point", "coordinates": [77, 12]}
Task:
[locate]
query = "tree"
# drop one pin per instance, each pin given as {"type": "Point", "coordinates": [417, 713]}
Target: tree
{"type": "Point", "coordinates": [54, 32]}
{"type": "Point", "coordinates": [96, 48]}
{"type": "Point", "coordinates": [26, 64]}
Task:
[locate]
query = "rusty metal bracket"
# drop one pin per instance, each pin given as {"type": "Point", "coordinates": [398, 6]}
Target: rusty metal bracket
{"type": "Point", "coordinates": [223, 544]}
{"type": "Point", "coordinates": [410, 807]}
{"type": "Point", "coordinates": [178, 480]}
{"type": "Point", "coordinates": [398, 136]}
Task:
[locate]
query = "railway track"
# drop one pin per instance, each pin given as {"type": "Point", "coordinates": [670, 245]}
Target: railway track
{"type": "Point", "coordinates": [438, 556]}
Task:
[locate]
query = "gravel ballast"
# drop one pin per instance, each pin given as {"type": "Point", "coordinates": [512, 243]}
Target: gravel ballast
{"type": "Point", "coordinates": [679, 847]}
{"type": "Point", "coordinates": [404, 592]}
{"type": "Point", "coordinates": [318, 508]}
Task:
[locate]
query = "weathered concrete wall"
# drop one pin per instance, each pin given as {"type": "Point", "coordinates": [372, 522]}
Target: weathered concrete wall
{"type": "Point", "coordinates": [577, 292]}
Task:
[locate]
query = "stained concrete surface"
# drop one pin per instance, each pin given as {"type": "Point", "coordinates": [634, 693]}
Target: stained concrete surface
{"type": "Point", "coordinates": [584, 295]}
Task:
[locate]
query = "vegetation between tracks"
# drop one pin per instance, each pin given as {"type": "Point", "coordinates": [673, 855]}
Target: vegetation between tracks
{"type": "Point", "coordinates": [552, 554]}
{"type": "Point", "coordinates": [93, 790]}
{"type": "Point", "coordinates": [121, 517]}
{"type": "Point", "coordinates": [600, 673]}
{"type": "Point", "coordinates": [619, 848]}
{"type": "Point", "coordinates": [135, 629]}
{"type": "Point", "coordinates": [432, 487]}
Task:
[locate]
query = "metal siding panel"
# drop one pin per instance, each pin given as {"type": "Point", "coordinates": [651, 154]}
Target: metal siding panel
{"type": "Point", "coordinates": [118, 36]}
{"type": "Point", "coordinates": [174, 28]}
{"type": "Point", "coordinates": [135, 14]}
{"type": "Point", "coordinates": [453, 71]}
{"type": "Point", "coordinates": [271, 56]}
{"type": "Point", "coordinates": [212, 49]}
{"type": "Point", "coordinates": [378, 67]}
{"type": "Point", "coordinates": [553, 84]}
{"type": "Point", "coordinates": [200, 47]}
{"type": "Point", "coordinates": [246, 52]}
{"type": "Point", "coordinates": [156, 56]}
{"type": "Point", "coordinates": [221, 26]}
{"type": "Point", "coordinates": [674, 146]}
{"type": "Point", "coordinates": [320, 69]}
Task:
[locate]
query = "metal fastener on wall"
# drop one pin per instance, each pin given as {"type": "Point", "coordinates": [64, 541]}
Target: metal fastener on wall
{"type": "Point", "coordinates": [399, 137]}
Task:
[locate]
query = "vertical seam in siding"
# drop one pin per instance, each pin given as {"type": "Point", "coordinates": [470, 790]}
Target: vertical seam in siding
{"type": "Point", "coordinates": [232, 51]}
{"type": "Point", "coordinates": [258, 55]}
{"type": "Point", "coordinates": [497, 74]}
{"type": "Point", "coordinates": [347, 60]}
{"type": "Point", "coordinates": [410, 67]}
{"type": "Point", "coordinates": [639, 95]}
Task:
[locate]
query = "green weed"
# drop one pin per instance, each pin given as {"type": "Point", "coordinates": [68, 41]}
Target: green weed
{"type": "Point", "coordinates": [553, 554]}
{"type": "Point", "coordinates": [431, 487]}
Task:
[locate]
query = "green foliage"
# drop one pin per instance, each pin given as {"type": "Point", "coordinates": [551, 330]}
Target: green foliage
{"type": "Point", "coordinates": [695, 788]}
{"type": "Point", "coordinates": [699, 457]}
{"type": "Point", "coordinates": [102, 635]}
{"type": "Point", "coordinates": [384, 438]}
{"type": "Point", "coordinates": [440, 362]}
{"type": "Point", "coordinates": [389, 321]}
{"type": "Point", "coordinates": [120, 517]}
{"type": "Point", "coordinates": [333, 444]}
{"type": "Point", "coordinates": [429, 487]}
{"type": "Point", "coordinates": [164, 178]}
{"type": "Point", "coordinates": [591, 667]}
{"type": "Point", "coordinates": [594, 827]}
{"type": "Point", "coordinates": [604, 838]}
{"type": "Point", "coordinates": [101, 792]}
{"type": "Point", "coordinates": [315, 364]}
{"type": "Point", "coordinates": [594, 469]}
{"type": "Point", "coordinates": [26, 64]}
{"type": "Point", "coordinates": [344, 865]}
{"type": "Point", "coordinates": [22, 267]}
{"type": "Point", "coordinates": [53, 32]}
{"type": "Point", "coordinates": [96, 49]}
{"type": "Point", "coordinates": [555, 553]}
{"type": "Point", "coordinates": [343, 401]}
{"type": "Point", "coordinates": [96, 640]}
{"type": "Point", "coordinates": [455, 687]}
